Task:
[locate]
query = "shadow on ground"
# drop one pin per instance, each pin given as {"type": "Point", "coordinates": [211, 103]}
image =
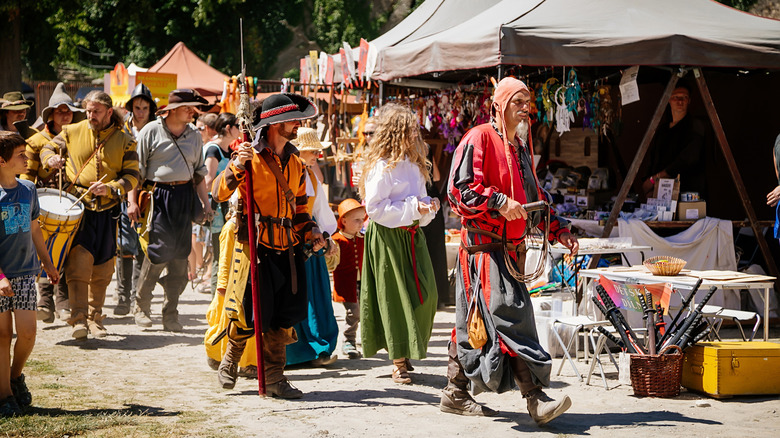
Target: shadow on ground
{"type": "Point", "coordinates": [581, 424]}
{"type": "Point", "coordinates": [128, 410]}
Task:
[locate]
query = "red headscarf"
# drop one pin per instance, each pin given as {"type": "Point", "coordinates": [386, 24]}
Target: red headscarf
{"type": "Point", "coordinates": [505, 90]}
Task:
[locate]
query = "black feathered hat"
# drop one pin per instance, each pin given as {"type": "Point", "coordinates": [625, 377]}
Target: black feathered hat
{"type": "Point", "coordinates": [283, 107]}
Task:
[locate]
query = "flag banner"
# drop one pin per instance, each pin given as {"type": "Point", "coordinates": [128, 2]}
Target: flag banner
{"type": "Point", "coordinates": [625, 294]}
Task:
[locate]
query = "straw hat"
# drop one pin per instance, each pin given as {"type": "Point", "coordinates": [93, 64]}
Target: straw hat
{"type": "Point", "coordinates": [307, 140]}
{"type": "Point", "coordinates": [283, 107]}
{"type": "Point", "coordinates": [60, 97]}
{"type": "Point", "coordinates": [345, 207]}
{"type": "Point", "coordinates": [14, 100]}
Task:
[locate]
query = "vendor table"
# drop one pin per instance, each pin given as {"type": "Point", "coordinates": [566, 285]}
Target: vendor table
{"type": "Point", "coordinates": [687, 280]}
{"type": "Point", "coordinates": [559, 250]}
{"type": "Point", "coordinates": [562, 250]}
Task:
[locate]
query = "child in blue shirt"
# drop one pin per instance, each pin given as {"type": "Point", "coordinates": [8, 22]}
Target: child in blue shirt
{"type": "Point", "coordinates": [21, 248]}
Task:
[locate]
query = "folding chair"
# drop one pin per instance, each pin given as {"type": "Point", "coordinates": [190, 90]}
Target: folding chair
{"type": "Point", "coordinates": [598, 346]}
{"type": "Point", "coordinates": [580, 322]}
{"type": "Point", "coordinates": [737, 316]}
{"type": "Point", "coordinates": [710, 313]}
{"type": "Point", "coordinates": [601, 345]}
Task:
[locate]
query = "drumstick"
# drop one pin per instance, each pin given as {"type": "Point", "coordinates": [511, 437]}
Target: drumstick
{"type": "Point", "coordinates": [82, 196]}
{"type": "Point", "coordinates": [59, 151]}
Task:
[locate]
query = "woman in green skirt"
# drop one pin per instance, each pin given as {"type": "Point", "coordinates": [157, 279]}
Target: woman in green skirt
{"type": "Point", "coordinates": [398, 290]}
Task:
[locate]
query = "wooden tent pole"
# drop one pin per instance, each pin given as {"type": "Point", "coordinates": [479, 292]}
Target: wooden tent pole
{"type": "Point", "coordinates": [634, 169]}
{"type": "Point", "coordinates": [331, 110]}
{"type": "Point", "coordinates": [737, 177]}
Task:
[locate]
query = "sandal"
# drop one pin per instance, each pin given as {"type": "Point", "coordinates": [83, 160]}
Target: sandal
{"type": "Point", "coordinates": [400, 372]}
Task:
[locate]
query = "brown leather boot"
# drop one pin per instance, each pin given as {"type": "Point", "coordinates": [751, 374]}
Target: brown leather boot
{"type": "Point", "coordinates": [227, 373]}
{"type": "Point", "coordinates": [275, 355]}
{"type": "Point", "coordinates": [541, 407]}
{"type": "Point", "coordinates": [455, 397]}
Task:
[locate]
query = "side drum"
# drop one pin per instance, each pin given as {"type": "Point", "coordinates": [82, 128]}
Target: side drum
{"type": "Point", "coordinates": [59, 220]}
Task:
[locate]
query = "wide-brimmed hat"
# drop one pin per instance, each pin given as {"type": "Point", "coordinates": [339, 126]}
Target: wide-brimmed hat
{"type": "Point", "coordinates": [60, 97]}
{"type": "Point", "coordinates": [307, 140]}
{"type": "Point", "coordinates": [14, 100]}
{"type": "Point", "coordinates": [185, 97]}
{"type": "Point", "coordinates": [144, 93]}
{"type": "Point", "coordinates": [345, 207]}
{"type": "Point", "coordinates": [283, 107]}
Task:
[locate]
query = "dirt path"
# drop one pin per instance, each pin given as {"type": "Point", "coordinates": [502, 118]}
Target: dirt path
{"type": "Point", "coordinates": [165, 376]}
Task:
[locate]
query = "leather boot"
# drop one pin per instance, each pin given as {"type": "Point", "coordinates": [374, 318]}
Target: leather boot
{"type": "Point", "coordinates": [78, 269]}
{"type": "Point", "coordinates": [227, 373]}
{"type": "Point", "coordinates": [541, 407]}
{"type": "Point", "coordinates": [99, 281]}
{"type": "Point", "coordinates": [61, 304]}
{"type": "Point", "coordinates": [124, 288]}
{"type": "Point", "coordinates": [275, 356]}
{"type": "Point", "coordinates": [173, 286]}
{"type": "Point", "coordinates": [96, 328]}
{"type": "Point", "coordinates": [455, 397]}
{"type": "Point", "coordinates": [45, 311]}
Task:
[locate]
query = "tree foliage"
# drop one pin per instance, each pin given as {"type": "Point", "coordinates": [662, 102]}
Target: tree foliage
{"type": "Point", "coordinates": [142, 31]}
{"type": "Point", "coordinates": [742, 5]}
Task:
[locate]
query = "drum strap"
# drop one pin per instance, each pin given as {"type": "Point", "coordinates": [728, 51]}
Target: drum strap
{"type": "Point", "coordinates": [97, 149]}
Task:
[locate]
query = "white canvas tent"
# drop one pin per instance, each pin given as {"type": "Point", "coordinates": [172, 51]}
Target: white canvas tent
{"type": "Point", "coordinates": [579, 33]}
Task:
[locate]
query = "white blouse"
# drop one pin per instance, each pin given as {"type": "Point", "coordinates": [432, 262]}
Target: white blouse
{"type": "Point", "coordinates": [321, 212]}
{"type": "Point", "coordinates": [393, 195]}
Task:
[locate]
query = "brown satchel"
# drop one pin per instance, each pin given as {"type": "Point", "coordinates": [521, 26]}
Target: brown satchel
{"type": "Point", "coordinates": [475, 324]}
{"type": "Point", "coordinates": [145, 199]}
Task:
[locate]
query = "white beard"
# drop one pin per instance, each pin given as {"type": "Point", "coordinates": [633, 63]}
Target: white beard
{"type": "Point", "coordinates": [522, 131]}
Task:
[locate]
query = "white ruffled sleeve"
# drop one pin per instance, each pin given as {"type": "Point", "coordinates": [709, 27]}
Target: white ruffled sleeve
{"type": "Point", "coordinates": [322, 213]}
{"type": "Point", "coordinates": [389, 196]}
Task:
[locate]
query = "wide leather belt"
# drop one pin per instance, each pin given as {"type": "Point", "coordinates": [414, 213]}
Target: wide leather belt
{"type": "Point", "coordinates": [169, 183]}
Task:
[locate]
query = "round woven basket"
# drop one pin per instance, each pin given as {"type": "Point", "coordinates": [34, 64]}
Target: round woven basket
{"type": "Point", "coordinates": [657, 375]}
{"type": "Point", "coordinates": [665, 265]}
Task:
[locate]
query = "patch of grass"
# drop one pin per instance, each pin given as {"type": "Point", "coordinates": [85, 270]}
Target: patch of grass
{"type": "Point", "coordinates": [41, 367]}
{"type": "Point", "coordinates": [46, 426]}
{"type": "Point", "coordinates": [131, 421]}
{"type": "Point", "coordinates": [52, 386]}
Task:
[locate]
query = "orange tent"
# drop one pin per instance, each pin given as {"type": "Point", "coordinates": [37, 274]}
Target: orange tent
{"type": "Point", "coordinates": [192, 72]}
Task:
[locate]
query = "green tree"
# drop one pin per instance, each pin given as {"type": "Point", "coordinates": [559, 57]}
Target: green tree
{"type": "Point", "coordinates": [742, 5]}
{"type": "Point", "coordinates": [58, 34]}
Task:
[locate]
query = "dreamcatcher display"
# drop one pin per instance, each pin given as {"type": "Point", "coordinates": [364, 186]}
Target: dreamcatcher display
{"type": "Point", "coordinates": [450, 113]}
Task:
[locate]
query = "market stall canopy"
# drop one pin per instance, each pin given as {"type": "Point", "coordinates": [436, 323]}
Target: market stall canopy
{"type": "Point", "coordinates": [429, 18]}
{"type": "Point", "coordinates": [593, 33]}
{"type": "Point", "coordinates": [432, 17]}
{"type": "Point", "coordinates": [192, 72]}
{"type": "Point", "coordinates": [133, 68]}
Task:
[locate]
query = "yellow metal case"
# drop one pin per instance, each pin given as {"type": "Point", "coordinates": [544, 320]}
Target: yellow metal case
{"type": "Point", "coordinates": [725, 369]}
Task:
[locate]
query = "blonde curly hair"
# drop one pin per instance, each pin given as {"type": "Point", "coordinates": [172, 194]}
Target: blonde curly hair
{"type": "Point", "coordinates": [397, 137]}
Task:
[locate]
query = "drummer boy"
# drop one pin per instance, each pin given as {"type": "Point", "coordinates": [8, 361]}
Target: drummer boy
{"type": "Point", "coordinates": [20, 240]}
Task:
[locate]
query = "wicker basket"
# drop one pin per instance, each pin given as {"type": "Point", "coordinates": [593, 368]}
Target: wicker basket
{"type": "Point", "coordinates": [657, 375]}
{"type": "Point", "coordinates": [664, 265]}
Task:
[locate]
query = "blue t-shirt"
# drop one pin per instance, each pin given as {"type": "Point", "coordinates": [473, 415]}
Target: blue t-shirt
{"type": "Point", "coordinates": [212, 150]}
{"type": "Point", "coordinates": [18, 208]}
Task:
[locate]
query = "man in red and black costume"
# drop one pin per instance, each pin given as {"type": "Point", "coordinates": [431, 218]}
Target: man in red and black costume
{"type": "Point", "coordinates": [492, 176]}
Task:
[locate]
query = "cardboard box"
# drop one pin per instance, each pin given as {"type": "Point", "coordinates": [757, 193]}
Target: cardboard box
{"type": "Point", "coordinates": [725, 369]}
{"type": "Point", "coordinates": [569, 199]}
{"type": "Point", "coordinates": [687, 211]}
{"type": "Point", "coordinates": [586, 201]}
{"type": "Point", "coordinates": [667, 189]}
